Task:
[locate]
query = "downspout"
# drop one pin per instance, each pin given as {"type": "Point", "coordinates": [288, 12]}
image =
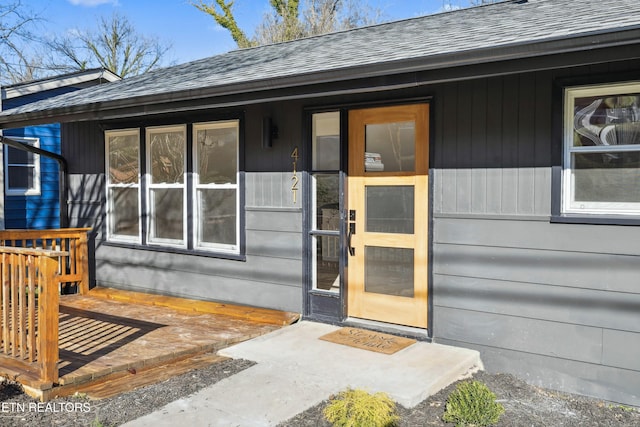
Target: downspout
{"type": "Point", "coordinates": [63, 172]}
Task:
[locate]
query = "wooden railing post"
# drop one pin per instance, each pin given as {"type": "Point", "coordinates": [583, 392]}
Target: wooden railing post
{"type": "Point", "coordinates": [6, 303]}
{"type": "Point", "coordinates": [82, 263]}
{"type": "Point", "coordinates": [48, 307]}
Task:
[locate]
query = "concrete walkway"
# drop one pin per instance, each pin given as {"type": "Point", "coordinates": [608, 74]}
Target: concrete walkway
{"type": "Point", "coordinates": [295, 371]}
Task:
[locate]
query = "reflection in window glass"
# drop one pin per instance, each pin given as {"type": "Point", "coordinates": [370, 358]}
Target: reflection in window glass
{"type": "Point", "coordinates": [390, 147]}
{"type": "Point", "coordinates": [326, 263]}
{"type": "Point", "coordinates": [325, 227]}
{"type": "Point", "coordinates": [166, 163]}
{"type": "Point", "coordinates": [167, 155]}
{"type": "Point", "coordinates": [607, 120]}
{"type": "Point", "coordinates": [602, 149]}
{"type": "Point", "coordinates": [217, 153]}
{"type": "Point", "coordinates": [124, 158]}
{"type": "Point", "coordinates": [123, 184]}
{"type": "Point", "coordinates": [217, 216]}
{"type": "Point", "coordinates": [326, 141]}
{"type": "Point", "coordinates": [326, 191]}
{"type": "Point", "coordinates": [216, 185]}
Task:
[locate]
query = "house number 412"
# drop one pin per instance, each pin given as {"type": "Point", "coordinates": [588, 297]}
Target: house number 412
{"type": "Point", "coordinates": [294, 177]}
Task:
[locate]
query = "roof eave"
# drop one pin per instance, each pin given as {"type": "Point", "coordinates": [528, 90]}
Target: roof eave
{"type": "Point", "coordinates": [154, 104]}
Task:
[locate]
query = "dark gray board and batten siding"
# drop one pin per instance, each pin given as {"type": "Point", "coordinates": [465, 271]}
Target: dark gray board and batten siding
{"type": "Point", "coordinates": [556, 304]}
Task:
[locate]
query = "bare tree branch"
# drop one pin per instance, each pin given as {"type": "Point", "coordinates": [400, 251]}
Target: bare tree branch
{"type": "Point", "coordinates": [16, 23]}
{"type": "Point", "coordinates": [115, 45]}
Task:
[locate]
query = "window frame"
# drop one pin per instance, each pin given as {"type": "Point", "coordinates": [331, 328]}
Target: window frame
{"type": "Point", "coordinates": [36, 189]}
{"type": "Point", "coordinates": [150, 186]}
{"type": "Point", "coordinates": [197, 186]}
{"type": "Point", "coordinates": [569, 206]}
{"type": "Point", "coordinates": [189, 247]}
{"type": "Point", "coordinates": [108, 185]}
{"type": "Point", "coordinates": [316, 232]}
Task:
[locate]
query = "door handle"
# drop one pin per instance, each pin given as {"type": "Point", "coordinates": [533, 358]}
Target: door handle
{"type": "Point", "coordinates": [352, 231]}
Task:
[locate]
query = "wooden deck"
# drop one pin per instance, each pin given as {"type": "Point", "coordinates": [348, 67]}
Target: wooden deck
{"type": "Point", "coordinates": [109, 335]}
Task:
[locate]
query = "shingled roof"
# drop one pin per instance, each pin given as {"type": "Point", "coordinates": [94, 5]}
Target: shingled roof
{"type": "Point", "coordinates": [500, 31]}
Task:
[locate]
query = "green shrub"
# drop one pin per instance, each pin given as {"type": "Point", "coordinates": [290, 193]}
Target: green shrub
{"type": "Point", "coordinates": [357, 408]}
{"type": "Point", "coordinates": [472, 403]}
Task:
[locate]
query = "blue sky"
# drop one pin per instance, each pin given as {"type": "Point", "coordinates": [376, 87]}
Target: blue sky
{"type": "Point", "coordinates": [192, 34]}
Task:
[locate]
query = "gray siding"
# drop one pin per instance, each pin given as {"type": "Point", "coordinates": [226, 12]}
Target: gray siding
{"type": "Point", "coordinates": [557, 304]}
{"type": "Point", "coordinates": [271, 275]}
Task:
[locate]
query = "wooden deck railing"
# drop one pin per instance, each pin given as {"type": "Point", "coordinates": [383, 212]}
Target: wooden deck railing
{"type": "Point", "coordinates": [29, 309]}
{"type": "Point", "coordinates": [74, 267]}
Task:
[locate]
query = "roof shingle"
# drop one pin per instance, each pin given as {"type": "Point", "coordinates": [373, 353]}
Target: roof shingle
{"type": "Point", "coordinates": [500, 25]}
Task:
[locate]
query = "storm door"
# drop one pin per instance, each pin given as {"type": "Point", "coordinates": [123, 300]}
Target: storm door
{"type": "Point", "coordinates": [387, 220]}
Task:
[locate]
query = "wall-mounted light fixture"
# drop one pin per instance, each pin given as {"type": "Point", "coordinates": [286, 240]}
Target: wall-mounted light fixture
{"type": "Point", "coordinates": [269, 132]}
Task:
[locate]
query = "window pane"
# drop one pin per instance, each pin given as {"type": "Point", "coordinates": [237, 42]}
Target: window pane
{"type": "Point", "coordinates": [390, 147]}
{"type": "Point", "coordinates": [167, 156]}
{"type": "Point", "coordinates": [217, 154]}
{"type": "Point", "coordinates": [217, 213]}
{"type": "Point", "coordinates": [607, 177]}
{"type": "Point", "coordinates": [607, 120]}
{"type": "Point", "coordinates": [327, 201]}
{"type": "Point", "coordinates": [124, 211]}
{"type": "Point", "coordinates": [326, 141]}
{"type": "Point", "coordinates": [390, 209]}
{"type": "Point", "coordinates": [388, 271]}
{"type": "Point", "coordinates": [123, 159]}
{"type": "Point", "coordinates": [327, 256]}
{"type": "Point", "coordinates": [20, 177]}
{"type": "Point", "coordinates": [19, 157]}
{"type": "Point", "coordinates": [168, 214]}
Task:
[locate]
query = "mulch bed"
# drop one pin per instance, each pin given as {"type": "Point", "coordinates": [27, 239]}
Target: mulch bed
{"type": "Point", "coordinates": [525, 405]}
{"type": "Point", "coordinates": [18, 409]}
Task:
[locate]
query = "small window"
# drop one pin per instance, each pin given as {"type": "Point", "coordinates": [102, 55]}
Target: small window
{"type": "Point", "coordinates": [601, 172]}
{"type": "Point", "coordinates": [22, 169]}
{"type": "Point", "coordinates": [123, 185]}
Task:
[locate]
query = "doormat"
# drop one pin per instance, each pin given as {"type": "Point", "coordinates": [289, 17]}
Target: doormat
{"type": "Point", "coordinates": [368, 340]}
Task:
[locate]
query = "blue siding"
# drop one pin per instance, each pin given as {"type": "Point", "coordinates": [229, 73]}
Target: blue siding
{"type": "Point", "coordinates": [37, 211]}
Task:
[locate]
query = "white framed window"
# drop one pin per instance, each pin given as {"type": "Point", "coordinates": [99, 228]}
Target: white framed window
{"type": "Point", "coordinates": [216, 201]}
{"type": "Point", "coordinates": [601, 170]}
{"type": "Point", "coordinates": [166, 189]}
{"type": "Point", "coordinates": [22, 169]}
{"type": "Point", "coordinates": [123, 185]}
{"type": "Point", "coordinates": [325, 202]}
{"type": "Point", "coordinates": [166, 209]}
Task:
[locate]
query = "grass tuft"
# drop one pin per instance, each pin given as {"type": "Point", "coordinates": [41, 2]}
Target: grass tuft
{"type": "Point", "coordinates": [357, 408]}
{"type": "Point", "coordinates": [472, 404]}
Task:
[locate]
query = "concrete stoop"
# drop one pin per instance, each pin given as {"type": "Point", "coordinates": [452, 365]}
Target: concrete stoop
{"type": "Point", "coordinates": [295, 371]}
